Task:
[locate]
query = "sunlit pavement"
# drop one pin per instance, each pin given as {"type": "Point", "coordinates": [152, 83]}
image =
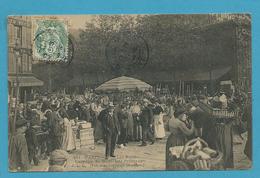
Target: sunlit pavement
{"type": "Point", "coordinates": [132, 157]}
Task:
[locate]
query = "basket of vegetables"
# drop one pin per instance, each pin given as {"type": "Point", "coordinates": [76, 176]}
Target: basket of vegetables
{"type": "Point", "coordinates": [198, 149]}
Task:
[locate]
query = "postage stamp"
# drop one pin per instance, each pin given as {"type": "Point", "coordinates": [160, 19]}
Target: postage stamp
{"type": "Point", "coordinates": [50, 40]}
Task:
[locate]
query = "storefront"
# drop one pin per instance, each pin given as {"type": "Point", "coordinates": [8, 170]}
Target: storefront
{"type": "Point", "coordinates": [23, 86]}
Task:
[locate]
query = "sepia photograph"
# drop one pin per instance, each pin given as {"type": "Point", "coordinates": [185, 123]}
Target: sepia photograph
{"type": "Point", "coordinates": [129, 92]}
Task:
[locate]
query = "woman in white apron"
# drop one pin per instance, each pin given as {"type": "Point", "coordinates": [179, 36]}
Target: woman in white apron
{"type": "Point", "coordinates": [159, 130]}
{"type": "Point", "coordinates": [69, 142]}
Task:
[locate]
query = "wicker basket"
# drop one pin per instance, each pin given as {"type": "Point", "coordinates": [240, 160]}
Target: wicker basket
{"type": "Point", "coordinates": [218, 113]}
{"type": "Point", "coordinates": [215, 163]}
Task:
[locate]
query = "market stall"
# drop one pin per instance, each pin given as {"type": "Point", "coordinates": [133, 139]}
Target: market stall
{"type": "Point", "coordinates": [123, 83]}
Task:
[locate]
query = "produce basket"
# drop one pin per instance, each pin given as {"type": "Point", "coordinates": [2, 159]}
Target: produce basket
{"type": "Point", "coordinates": [216, 112]}
{"type": "Point", "coordinates": [197, 149]}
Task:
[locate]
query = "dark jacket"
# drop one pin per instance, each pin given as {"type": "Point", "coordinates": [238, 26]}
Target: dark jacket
{"type": "Point", "coordinates": [123, 119]}
{"type": "Point", "coordinates": [146, 116]}
{"type": "Point", "coordinates": [86, 115]}
{"type": "Point", "coordinates": [45, 105]}
{"type": "Point", "coordinates": [31, 138]}
{"type": "Point", "coordinates": [18, 152]}
{"type": "Point", "coordinates": [110, 123]}
{"type": "Point", "coordinates": [78, 109]}
{"type": "Point", "coordinates": [55, 124]}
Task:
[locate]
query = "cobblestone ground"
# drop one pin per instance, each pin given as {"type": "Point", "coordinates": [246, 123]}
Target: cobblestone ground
{"type": "Point", "coordinates": [133, 157]}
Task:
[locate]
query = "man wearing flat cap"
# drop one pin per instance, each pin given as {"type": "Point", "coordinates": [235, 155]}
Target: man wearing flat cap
{"type": "Point", "coordinates": [18, 150]}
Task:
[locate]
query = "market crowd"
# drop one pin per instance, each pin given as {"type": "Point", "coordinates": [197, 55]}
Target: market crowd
{"type": "Point", "coordinates": [46, 125]}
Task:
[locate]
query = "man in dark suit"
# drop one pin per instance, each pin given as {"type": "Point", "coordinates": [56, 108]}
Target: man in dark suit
{"type": "Point", "coordinates": [111, 130]}
{"type": "Point", "coordinates": [147, 123]}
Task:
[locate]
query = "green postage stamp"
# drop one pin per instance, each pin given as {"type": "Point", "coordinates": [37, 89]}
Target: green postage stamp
{"type": "Point", "coordinates": [50, 40]}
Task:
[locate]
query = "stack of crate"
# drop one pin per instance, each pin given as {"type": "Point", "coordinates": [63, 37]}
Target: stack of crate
{"type": "Point", "coordinates": [86, 136]}
{"type": "Point", "coordinates": [76, 136]}
{"type": "Point", "coordinates": [77, 144]}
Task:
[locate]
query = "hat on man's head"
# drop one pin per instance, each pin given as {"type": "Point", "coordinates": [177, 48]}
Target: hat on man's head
{"type": "Point", "coordinates": [179, 111]}
{"type": "Point", "coordinates": [20, 123]}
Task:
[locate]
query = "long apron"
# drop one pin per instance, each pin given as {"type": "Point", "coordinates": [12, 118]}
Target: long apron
{"type": "Point", "coordinates": [159, 126]}
{"type": "Point", "coordinates": [224, 143]}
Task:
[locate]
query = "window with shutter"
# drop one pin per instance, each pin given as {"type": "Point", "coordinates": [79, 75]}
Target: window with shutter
{"type": "Point", "coordinates": [18, 34]}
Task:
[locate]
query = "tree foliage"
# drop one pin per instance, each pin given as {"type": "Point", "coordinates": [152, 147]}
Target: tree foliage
{"type": "Point", "coordinates": [172, 39]}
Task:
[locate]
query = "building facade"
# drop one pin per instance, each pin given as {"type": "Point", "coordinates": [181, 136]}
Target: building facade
{"type": "Point", "coordinates": [21, 80]}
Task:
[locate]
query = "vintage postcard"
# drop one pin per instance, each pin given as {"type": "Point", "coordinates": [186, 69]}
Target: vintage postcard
{"type": "Point", "coordinates": [129, 92]}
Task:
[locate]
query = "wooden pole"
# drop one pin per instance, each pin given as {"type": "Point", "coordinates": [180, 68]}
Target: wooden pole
{"type": "Point", "coordinates": [180, 88]}
{"type": "Point", "coordinates": [25, 102]}
{"type": "Point", "coordinates": [191, 88]}
{"type": "Point", "coordinates": [183, 88]}
{"type": "Point", "coordinates": [49, 78]}
{"type": "Point", "coordinates": [17, 93]}
{"type": "Point", "coordinates": [16, 106]}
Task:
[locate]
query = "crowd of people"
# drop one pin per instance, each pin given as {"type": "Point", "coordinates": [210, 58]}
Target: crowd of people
{"type": "Point", "coordinates": [117, 119]}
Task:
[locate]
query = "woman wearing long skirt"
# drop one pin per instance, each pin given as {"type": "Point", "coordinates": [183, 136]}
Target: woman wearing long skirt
{"type": "Point", "coordinates": [69, 142]}
{"type": "Point", "coordinates": [178, 137]}
{"type": "Point", "coordinates": [159, 131]}
{"type": "Point", "coordinates": [130, 126]}
{"type": "Point", "coordinates": [98, 129]}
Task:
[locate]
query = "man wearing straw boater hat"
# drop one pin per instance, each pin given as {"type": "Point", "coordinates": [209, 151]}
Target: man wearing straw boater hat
{"type": "Point", "coordinates": [111, 131]}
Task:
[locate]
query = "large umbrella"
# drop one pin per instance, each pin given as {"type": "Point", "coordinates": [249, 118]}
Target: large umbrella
{"type": "Point", "coordinates": [123, 84]}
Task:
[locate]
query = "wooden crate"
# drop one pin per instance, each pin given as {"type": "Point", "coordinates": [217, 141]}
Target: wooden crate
{"type": "Point", "coordinates": [85, 133]}
{"type": "Point", "coordinates": [88, 146]}
{"type": "Point", "coordinates": [87, 141]}
{"type": "Point", "coordinates": [77, 144]}
{"type": "Point", "coordinates": [75, 132]}
{"type": "Point", "coordinates": [86, 125]}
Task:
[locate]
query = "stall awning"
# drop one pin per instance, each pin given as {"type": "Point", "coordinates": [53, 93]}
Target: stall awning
{"type": "Point", "coordinates": [202, 75]}
{"type": "Point", "coordinates": [123, 83]}
{"type": "Point", "coordinates": [25, 81]}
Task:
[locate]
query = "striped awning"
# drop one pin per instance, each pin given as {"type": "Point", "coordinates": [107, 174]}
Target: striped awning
{"type": "Point", "coordinates": [123, 84]}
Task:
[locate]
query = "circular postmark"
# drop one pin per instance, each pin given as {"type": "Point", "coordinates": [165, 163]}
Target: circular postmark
{"type": "Point", "coordinates": [51, 41]}
{"type": "Point", "coordinates": [127, 52]}
{"type": "Point", "coordinates": [71, 50]}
